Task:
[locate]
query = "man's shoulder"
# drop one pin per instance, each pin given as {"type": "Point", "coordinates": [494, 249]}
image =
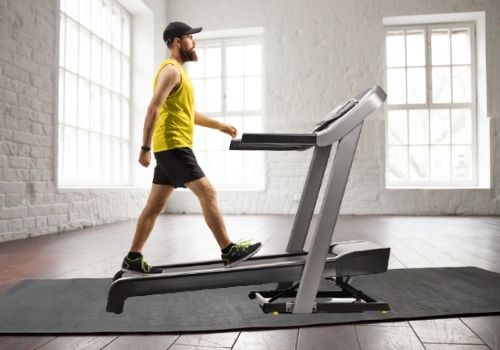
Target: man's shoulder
{"type": "Point", "coordinates": [170, 62]}
{"type": "Point", "coordinates": [169, 69]}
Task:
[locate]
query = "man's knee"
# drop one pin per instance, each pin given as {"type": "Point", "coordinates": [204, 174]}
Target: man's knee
{"type": "Point", "coordinates": [155, 206]}
{"type": "Point", "coordinates": [157, 199]}
{"type": "Point", "coordinates": [212, 196]}
{"type": "Point", "coordinates": [209, 195]}
{"type": "Point", "coordinates": [205, 192]}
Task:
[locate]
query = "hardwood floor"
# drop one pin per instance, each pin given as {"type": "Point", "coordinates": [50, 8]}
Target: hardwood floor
{"type": "Point", "coordinates": [414, 241]}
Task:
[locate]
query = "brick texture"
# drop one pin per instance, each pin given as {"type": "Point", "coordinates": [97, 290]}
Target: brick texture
{"type": "Point", "coordinates": [30, 203]}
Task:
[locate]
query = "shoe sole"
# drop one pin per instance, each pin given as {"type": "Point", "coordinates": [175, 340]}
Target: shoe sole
{"type": "Point", "coordinates": [237, 262]}
{"type": "Point", "coordinates": [137, 273]}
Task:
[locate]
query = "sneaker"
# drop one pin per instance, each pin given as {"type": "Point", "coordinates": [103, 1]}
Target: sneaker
{"type": "Point", "coordinates": [139, 266]}
{"type": "Point", "coordinates": [239, 252]}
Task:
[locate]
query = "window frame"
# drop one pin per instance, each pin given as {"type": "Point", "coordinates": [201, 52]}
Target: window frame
{"type": "Point", "coordinates": [430, 105]}
{"type": "Point", "coordinates": [123, 137]}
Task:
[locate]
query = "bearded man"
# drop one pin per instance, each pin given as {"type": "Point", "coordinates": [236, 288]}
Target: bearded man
{"type": "Point", "coordinates": [168, 131]}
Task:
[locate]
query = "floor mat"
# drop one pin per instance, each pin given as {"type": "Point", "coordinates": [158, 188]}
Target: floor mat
{"type": "Point", "coordinates": [77, 306]}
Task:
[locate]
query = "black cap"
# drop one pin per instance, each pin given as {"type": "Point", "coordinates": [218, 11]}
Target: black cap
{"type": "Point", "coordinates": [178, 29]}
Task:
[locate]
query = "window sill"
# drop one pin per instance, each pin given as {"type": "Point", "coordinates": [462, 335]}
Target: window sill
{"type": "Point", "coordinates": [436, 188]}
{"type": "Point", "coordinates": [231, 190]}
{"type": "Point", "coordinates": [64, 189]}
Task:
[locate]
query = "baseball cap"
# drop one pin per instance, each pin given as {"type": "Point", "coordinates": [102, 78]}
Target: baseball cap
{"type": "Point", "coordinates": [177, 29]}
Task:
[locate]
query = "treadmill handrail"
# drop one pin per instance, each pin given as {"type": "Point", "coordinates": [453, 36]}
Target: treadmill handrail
{"type": "Point", "coordinates": [288, 139]}
{"type": "Point", "coordinates": [331, 132]}
{"type": "Point", "coordinates": [237, 145]}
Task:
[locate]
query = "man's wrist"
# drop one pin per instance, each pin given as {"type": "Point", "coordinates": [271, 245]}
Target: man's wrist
{"type": "Point", "coordinates": [145, 148]}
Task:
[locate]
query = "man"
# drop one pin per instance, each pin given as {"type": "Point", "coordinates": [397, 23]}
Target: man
{"type": "Point", "coordinates": [169, 125]}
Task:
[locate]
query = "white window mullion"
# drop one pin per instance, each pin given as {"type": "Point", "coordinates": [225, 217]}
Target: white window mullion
{"type": "Point", "coordinates": [408, 147]}
{"type": "Point", "coordinates": [428, 65]}
{"type": "Point", "coordinates": [451, 66]}
{"type": "Point", "coordinates": [474, 106]}
{"type": "Point", "coordinates": [474, 148]}
{"type": "Point", "coordinates": [428, 90]}
{"type": "Point", "coordinates": [89, 133]}
{"type": "Point", "coordinates": [77, 123]}
{"type": "Point", "coordinates": [223, 77]}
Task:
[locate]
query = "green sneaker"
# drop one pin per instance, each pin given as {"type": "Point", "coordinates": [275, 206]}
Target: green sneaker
{"type": "Point", "coordinates": [239, 252]}
{"type": "Point", "coordinates": [139, 266]}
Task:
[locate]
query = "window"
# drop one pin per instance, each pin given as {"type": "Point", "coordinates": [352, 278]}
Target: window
{"type": "Point", "coordinates": [431, 106]}
{"type": "Point", "coordinates": [94, 98]}
{"type": "Point", "coordinates": [227, 80]}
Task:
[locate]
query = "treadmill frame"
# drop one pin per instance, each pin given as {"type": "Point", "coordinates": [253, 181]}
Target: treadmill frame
{"type": "Point", "coordinates": [346, 130]}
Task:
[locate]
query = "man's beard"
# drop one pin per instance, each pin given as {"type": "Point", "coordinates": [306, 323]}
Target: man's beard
{"type": "Point", "coordinates": [188, 55]}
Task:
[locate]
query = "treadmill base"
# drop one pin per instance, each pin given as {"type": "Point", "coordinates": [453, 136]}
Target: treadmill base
{"type": "Point", "coordinates": [346, 299]}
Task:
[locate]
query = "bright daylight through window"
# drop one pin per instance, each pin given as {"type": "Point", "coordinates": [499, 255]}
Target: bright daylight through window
{"type": "Point", "coordinates": [431, 109]}
{"type": "Point", "coordinates": [94, 84]}
{"type": "Point", "coordinates": [227, 81]}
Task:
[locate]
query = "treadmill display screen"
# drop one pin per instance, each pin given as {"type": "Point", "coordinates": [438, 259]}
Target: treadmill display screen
{"type": "Point", "coordinates": [340, 111]}
{"type": "Point", "coordinates": [337, 113]}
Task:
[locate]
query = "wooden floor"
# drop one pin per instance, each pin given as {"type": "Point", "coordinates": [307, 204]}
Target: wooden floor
{"type": "Point", "coordinates": [414, 241]}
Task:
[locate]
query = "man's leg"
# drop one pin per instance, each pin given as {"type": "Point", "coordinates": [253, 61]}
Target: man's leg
{"type": "Point", "coordinates": [232, 254]}
{"type": "Point", "coordinates": [205, 192]}
{"type": "Point", "coordinates": [134, 261]}
{"type": "Point", "coordinates": [156, 201]}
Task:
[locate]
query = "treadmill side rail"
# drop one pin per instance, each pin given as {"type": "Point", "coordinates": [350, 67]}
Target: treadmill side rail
{"type": "Point", "coordinates": [124, 288]}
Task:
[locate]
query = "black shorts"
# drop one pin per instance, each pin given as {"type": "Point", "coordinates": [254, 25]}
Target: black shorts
{"type": "Point", "coordinates": [175, 167]}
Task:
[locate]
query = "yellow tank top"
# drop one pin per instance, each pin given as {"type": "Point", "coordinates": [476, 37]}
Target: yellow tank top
{"type": "Point", "coordinates": [175, 117]}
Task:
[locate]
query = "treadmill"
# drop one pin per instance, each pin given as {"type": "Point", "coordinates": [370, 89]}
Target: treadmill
{"type": "Point", "coordinates": [297, 273]}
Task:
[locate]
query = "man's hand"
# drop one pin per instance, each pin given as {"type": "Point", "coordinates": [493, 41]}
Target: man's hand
{"type": "Point", "coordinates": [203, 120]}
{"type": "Point", "coordinates": [228, 129]}
{"type": "Point", "coordinates": [145, 158]}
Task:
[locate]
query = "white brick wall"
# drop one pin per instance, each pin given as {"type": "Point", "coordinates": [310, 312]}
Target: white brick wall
{"type": "Point", "coordinates": [317, 53]}
{"type": "Point", "coordinates": [30, 203]}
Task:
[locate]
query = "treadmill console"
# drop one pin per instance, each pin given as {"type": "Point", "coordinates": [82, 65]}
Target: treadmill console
{"type": "Point", "coordinates": [339, 112]}
{"type": "Point", "coordinates": [336, 114]}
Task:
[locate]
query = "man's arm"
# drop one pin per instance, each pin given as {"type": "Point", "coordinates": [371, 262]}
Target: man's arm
{"type": "Point", "coordinates": [168, 79]}
{"type": "Point", "coordinates": [203, 120]}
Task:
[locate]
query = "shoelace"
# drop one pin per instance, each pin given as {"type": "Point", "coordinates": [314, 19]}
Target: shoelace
{"type": "Point", "coordinates": [242, 244]}
{"type": "Point", "coordinates": [145, 266]}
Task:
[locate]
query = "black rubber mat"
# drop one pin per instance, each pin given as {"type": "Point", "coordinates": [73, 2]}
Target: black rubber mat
{"type": "Point", "coordinates": [77, 306]}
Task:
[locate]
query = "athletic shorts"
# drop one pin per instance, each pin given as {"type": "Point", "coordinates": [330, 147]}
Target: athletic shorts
{"type": "Point", "coordinates": [175, 167]}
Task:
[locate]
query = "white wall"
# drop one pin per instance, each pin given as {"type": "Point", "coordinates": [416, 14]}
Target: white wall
{"type": "Point", "coordinates": [316, 54]}
{"type": "Point", "coordinates": [30, 203]}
